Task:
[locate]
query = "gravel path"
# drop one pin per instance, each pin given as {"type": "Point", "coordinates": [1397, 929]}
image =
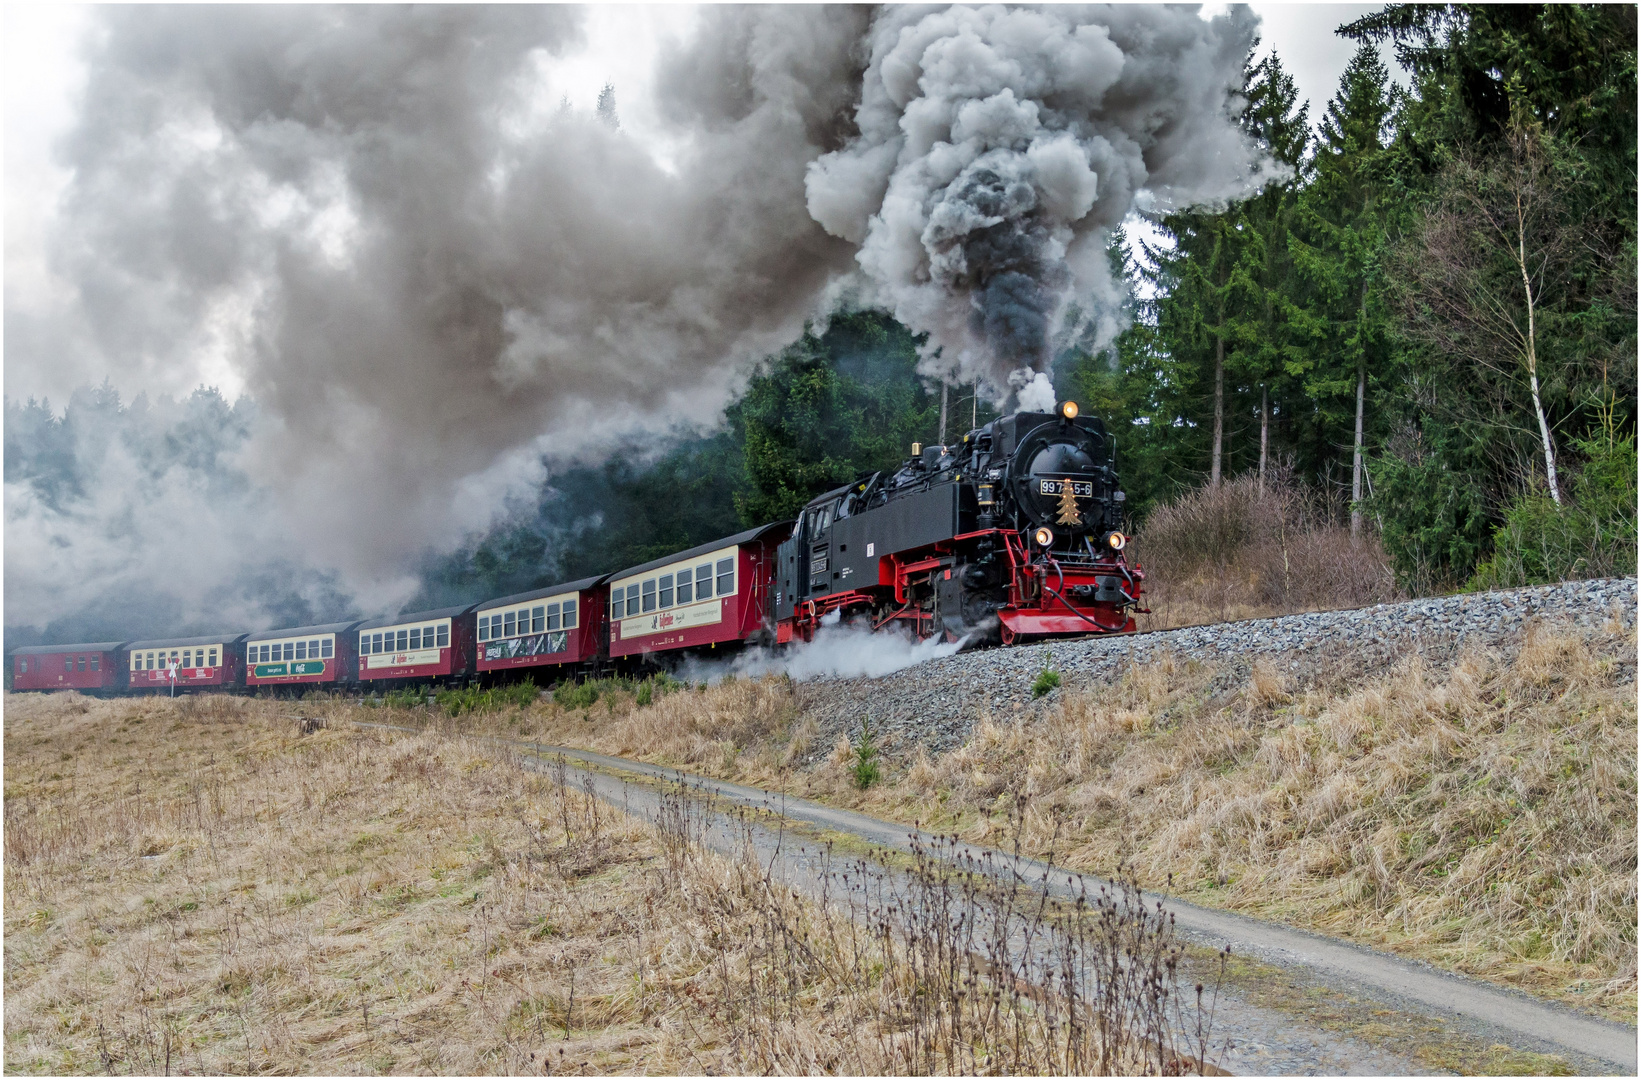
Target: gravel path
{"type": "Point", "coordinates": [937, 703]}
{"type": "Point", "coordinates": [1267, 1035]}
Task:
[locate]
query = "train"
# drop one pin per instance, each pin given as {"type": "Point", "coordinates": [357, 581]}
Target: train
{"type": "Point", "coordinates": [1013, 534]}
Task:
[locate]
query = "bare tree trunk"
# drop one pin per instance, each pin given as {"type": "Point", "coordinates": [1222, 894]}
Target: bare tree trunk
{"type": "Point", "coordinates": [1264, 432]}
{"type": "Point", "coordinates": [1356, 456]}
{"type": "Point", "coordinates": [944, 388]}
{"type": "Point", "coordinates": [1219, 410]}
{"type": "Point", "coordinates": [1532, 354]}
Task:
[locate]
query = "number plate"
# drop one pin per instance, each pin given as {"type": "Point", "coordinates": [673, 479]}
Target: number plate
{"type": "Point", "coordinates": [1082, 489]}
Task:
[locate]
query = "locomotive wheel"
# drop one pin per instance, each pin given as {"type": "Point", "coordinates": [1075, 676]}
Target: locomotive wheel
{"type": "Point", "coordinates": [1009, 635]}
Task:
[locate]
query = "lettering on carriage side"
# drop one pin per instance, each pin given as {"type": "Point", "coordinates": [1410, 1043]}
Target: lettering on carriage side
{"type": "Point", "coordinates": [677, 619]}
{"type": "Point", "coordinates": [289, 669]}
{"type": "Point", "coordinates": [402, 659]}
{"type": "Point", "coordinates": [556, 641]}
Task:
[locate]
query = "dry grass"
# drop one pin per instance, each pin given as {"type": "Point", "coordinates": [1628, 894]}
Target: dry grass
{"type": "Point", "coordinates": [211, 885]}
{"type": "Point", "coordinates": [1243, 551]}
{"type": "Point", "coordinates": [194, 886]}
{"type": "Point", "coordinates": [1481, 817]}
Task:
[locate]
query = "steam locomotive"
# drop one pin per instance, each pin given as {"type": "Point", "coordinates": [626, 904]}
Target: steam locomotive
{"type": "Point", "coordinates": [1013, 533]}
{"type": "Point", "coordinates": [1010, 535]}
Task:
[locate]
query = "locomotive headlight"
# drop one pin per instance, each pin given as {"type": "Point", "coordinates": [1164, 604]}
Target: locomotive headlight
{"type": "Point", "coordinates": [1044, 536]}
{"type": "Point", "coordinates": [1116, 540]}
{"type": "Point", "coordinates": [1068, 409]}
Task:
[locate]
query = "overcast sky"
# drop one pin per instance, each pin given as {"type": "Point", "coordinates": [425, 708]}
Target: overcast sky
{"type": "Point", "coordinates": [43, 75]}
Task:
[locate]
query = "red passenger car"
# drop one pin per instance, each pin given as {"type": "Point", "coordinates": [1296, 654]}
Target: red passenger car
{"type": "Point", "coordinates": [544, 628]}
{"type": "Point", "coordinates": [215, 661]}
{"type": "Point", "coordinates": [321, 655]}
{"type": "Point", "coordinates": [94, 667]}
{"type": "Point", "coordinates": [713, 595]}
{"type": "Point", "coordinates": [428, 645]}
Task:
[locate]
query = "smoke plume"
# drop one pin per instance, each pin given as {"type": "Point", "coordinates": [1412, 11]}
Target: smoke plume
{"type": "Point", "coordinates": [437, 285]}
{"type": "Point", "coordinates": [997, 148]}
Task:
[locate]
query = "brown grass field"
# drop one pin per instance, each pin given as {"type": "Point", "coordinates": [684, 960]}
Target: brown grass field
{"type": "Point", "coordinates": [206, 885]}
{"type": "Point", "coordinates": [1481, 817]}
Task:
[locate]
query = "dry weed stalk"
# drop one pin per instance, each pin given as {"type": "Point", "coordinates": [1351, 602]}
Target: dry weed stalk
{"type": "Point", "coordinates": [955, 966]}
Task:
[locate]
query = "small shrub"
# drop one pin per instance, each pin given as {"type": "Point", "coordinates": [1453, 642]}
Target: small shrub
{"type": "Point", "coordinates": [866, 770]}
{"type": "Point", "coordinates": [1591, 535]}
{"type": "Point", "coordinates": [1047, 679]}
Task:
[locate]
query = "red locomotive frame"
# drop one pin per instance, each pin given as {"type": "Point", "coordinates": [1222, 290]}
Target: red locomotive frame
{"type": "Point", "coordinates": [1038, 605]}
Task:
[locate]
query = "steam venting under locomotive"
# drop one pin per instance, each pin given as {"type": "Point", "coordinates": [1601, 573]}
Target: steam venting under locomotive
{"type": "Point", "coordinates": [1012, 533]}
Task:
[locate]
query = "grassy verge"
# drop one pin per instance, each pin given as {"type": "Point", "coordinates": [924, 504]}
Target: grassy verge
{"type": "Point", "coordinates": [213, 885]}
{"type": "Point", "coordinates": [1480, 817]}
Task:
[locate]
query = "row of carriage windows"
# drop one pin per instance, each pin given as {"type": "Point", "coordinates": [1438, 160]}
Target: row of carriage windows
{"type": "Point", "coordinates": [273, 652]}
{"type": "Point", "coordinates": [535, 620]}
{"type": "Point", "coordinates": [70, 663]}
{"type": "Point", "coordinates": [672, 590]}
{"type": "Point", "coordinates": [188, 658]}
{"type": "Point", "coordinates": [417, 637]}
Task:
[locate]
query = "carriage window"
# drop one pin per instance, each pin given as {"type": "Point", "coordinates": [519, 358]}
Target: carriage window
{"type": "Point", "coordinates": [444, 635]}
{"type": "Point", "coordinates": [649, 595]}
{"type": "Point", "coordinates": [686, 587]}
{"type": "Point", "coordinates": [82, 664]}
{"type": "Point", "coordinates": [569, 614]}
{"type": "Point", "coordinates": [313, 649]}
{"type": "Point", "coordinates": [212, 662]}
{"type": "Point", "coordinates": [726, 576]}
{"type": "Point", "coordinates": [427, 637]}
{"type": "Point", "coordinates": [326, 648]}
{"type": "Point", "coordinates": [703, 581]}
{"type": "Point", "coordinates": [22, 665]}
{"type": "Point", "coordinates": [415, 637]}
{"type": "Point", "coordinates": [96, 662]}
{"type": "Point", "coordinates": [290, 650]}
{"type": "Point", "coordinates": [666, 590]}
{"type": "Point", "coordinates": [484, 628]}
{"type": "Point", "coordinates": [538, 620]}
{"type": "Point", "coordinates": [364, 644]}
{"type": "Point", "coordinates": [507, 625]}
{"type": "Point", "coordinates": [618, 605]}
{"type": "Point", "coordinates": [301, 650]}
{"type": "Point", "coordinates": [552, 616]}
{"type": "Point", "coordinates": [632, 600]}
{"type": "Point", "coordinates": [404, 641]}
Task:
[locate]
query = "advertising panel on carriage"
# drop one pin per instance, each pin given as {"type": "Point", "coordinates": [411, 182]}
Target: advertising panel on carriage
{"type": "Point", "coordinates": [558, 624]}
{"type": "Point", "coordinates": [426, 645]}
{"type": "Point", "coordinates": [307, 654]}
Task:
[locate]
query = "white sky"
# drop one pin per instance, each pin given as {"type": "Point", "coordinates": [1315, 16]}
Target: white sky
{"type": "Point", "coordinates": [43, 75]}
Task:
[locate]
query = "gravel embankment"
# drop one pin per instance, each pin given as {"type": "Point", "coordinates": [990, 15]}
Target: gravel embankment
{"type": "Point", "coordinates": [938, 702]}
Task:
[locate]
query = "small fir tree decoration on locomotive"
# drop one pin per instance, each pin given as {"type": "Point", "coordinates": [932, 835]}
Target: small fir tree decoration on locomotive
{"type": "Point", "coordinates": [1069, 514]}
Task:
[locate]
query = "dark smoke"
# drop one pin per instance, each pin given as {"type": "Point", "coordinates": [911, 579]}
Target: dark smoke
{"type": "Point", "coordinates": [998, 147]}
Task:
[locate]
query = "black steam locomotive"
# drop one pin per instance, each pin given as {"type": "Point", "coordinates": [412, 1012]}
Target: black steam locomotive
{"type": "Point", "coordinates": [1013, 533]}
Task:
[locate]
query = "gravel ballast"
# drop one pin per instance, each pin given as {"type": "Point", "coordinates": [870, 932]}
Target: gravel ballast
{"type": "Point", "coordinates": [937, 703]}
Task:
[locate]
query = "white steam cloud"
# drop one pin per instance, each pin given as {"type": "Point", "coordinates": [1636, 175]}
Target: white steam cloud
{"type": "Point", "coordinates": [997, 148]}
{"type": "Point", "coordinates": [840, 651]}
